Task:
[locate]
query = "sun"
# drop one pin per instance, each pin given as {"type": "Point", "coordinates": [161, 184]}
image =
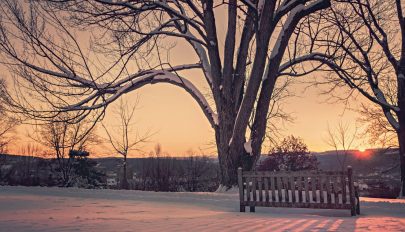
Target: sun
{"type": "Point", "coordinates": [362, 149]}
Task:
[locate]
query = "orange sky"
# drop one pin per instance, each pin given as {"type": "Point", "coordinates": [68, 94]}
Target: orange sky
{"type": "Point", "coordinates": [180, 125]}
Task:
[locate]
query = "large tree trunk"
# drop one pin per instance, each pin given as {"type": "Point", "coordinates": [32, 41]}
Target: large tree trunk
{"type": "Point", "coordinates": [231, 153]}
{"type": "Point", "coordinates": [230, 159]}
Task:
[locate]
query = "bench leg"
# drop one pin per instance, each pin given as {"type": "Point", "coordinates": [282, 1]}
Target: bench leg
{"type": "Point", "coordinates": [242, 208]}
{"type": "Point", "coordinates": [353, 211]}
{"type": "Point", "coordinates": [252, 209]}
{"type": "Point", "coordinates": [353, 208]}
{"type": "Point", "coordinates": [358, 206]}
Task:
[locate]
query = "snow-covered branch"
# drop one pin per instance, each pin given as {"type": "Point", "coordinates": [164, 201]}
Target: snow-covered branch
{"type": "Point", "coordinates": [137, 81]}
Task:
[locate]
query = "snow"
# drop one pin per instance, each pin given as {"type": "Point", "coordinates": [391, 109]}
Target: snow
{"type": "Point", "coordinates": [224, 189]}
{"type": "Point", "coordinates": [169, 77]}
{"type": "Point", "coordinates": [381, 97]}
{"type": "Point", "coordinates": [391, 119]}
{"type": "Point", "coordinates": [383, 101]}
{"type": "Point", "coordinates": [248, 146]}
{"type": "Point", "coordinates": [72, 209]}
{"type": "Point", "coordinates": [215, 118]}
{"type": "Point", "coordinates": [152, 77]}
{"type": "Point", "coordinates": [266, 73]}
{"type": "Point", "coordinates": [260, 6]}
{"type": "Point", "coordinates": [250, 3]}
{"type": "Point", "coordinates": [203, 58]}
{"type": "Point", "coordinates": [288, 23]}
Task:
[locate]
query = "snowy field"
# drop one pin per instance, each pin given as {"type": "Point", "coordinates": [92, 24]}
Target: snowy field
{"type": "Point", "coordinates": [59, 209]}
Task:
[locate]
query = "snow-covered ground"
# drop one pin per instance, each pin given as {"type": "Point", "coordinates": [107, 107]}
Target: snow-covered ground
{"type": "Point", "coordinates": [61, 209]}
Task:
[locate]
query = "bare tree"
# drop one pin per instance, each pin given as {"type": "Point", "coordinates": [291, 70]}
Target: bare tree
{"type": "Point", "coordinates": [62, 138]}
{"type": "Point", "coordinates": [277, 117]}
{"type": "Point", "coordinates": [160, 170]}
{"type": "Point", "coordinates": [196, 171]}
{"type": "Point", "coordinates": [122, 136]}
{"type": "Point", "coordinates": [28, 164]}
{"type": "Point", "coordinates": [342, 139]}
{"type": "Point", "coordinates": [291, 154]}
{"type": "Point", "coordinates": [377, 128]}
{"type": "Point", "coordinates": [135, 36]}
{"type": "Point", "coordinates": [361, 43]}
{"type": "Point", "coordinates": [7, 126]}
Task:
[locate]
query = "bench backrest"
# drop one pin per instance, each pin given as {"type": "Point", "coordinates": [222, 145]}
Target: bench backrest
{"type": "Point", "coordinates": [304, 189]}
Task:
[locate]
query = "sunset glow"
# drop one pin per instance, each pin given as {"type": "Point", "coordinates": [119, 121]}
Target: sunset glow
{"type": "Point", "coordinates": [364, 154]}
{"type": "Point", "coordinates": [191, 115]}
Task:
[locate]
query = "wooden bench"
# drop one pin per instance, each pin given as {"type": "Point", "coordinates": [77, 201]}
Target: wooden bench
{"type": "Point", "coordinates": [304, 189]}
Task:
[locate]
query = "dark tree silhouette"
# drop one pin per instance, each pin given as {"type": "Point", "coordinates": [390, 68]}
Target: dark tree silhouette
{"type": "Point", "coordinates": [62, 138]}
{"type": "Point", "coordinates": [122, 136]}
{"type": "Point", "coordinates": [290, 155]}
{"type": "Point", "coordinates": [7, 126]}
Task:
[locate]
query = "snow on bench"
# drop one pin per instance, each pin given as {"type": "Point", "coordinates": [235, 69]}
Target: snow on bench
{"type": "Point", "coordinates": [303, 189]}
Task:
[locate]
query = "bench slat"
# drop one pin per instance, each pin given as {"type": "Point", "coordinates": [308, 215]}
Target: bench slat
{"type": "Point", "coordinates": [292, 187]}
{"type": "Point", "coordinates": [313, 189]}
{"type": "Point", "coordinates": [260, 184]}
{"type": "Point", "coordinates": [248, 189]}
{"type": "Point", "coordinates": [344, 190]}
{"type": "Point", "coordinates": [254, 180]}
{"type": "Point", "coordinates": [300, 198]}
{"type": "Point", "coordinates": [321, 196]}
{"type": "Point", "coordinates": [266, 188]}
{"type": "Point", "coordinates": [273, 189]}
{"type": "Point", "coordinates": [306, 189]}
{"type": "Point", "coordinates": [336, 189]}
{"type": "Point", "coordinates": [279, 189]}
{"type": "Point", "coordinates": [328, 190]}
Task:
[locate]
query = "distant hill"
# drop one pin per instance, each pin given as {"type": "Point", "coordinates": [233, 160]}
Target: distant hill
{"type": "Point", "coordinates": [371, 160]}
